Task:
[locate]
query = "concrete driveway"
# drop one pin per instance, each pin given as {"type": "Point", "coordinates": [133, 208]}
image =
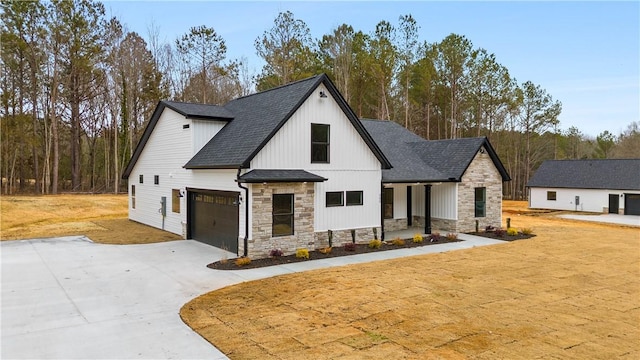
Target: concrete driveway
{"type": "Point", "coordinates": [630, 220]}
{"type": "Point", "coordinates": [71, 298]}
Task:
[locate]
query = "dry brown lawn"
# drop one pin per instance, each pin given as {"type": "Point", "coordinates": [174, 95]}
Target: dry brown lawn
{"type": "Point", "coordinates": [102, 218]}
{"type": "Point", "coordinates": [572, 292]}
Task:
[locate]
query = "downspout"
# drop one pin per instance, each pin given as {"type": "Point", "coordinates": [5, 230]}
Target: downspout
{"type": "Point", "coordinates": [246, 214]}
{"type": "Point", "coordinates": [382, 211]}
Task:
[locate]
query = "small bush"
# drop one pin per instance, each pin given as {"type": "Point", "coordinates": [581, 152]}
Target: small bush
{"type": "Point", "coordinates": [350, 247]}
{"type": "Point", "coordinates": [452, 237]}
{"type": "Point", "coordinates": [417, 238]}
{"type": "Point", "coordinates": [527, 231]}
{"type": "Point", "coordinates": [326, 250]}
{"type": "Point", "coordinates": [242, 261]}
{"type": "Point", "coordinates": [275, 253]}
{"type": "Point", "coordinates": [512, 231]}
{"type": "Point", "coordinates": [302, 253]}
{"type": "Point", "coordinates": [434, 237]}
{"type": "Point", "coordinates": [500, 232]}
{"type": "Point", "coordinates": [375, 244]}
{"type": "Point", "coordinates": [489, 228]}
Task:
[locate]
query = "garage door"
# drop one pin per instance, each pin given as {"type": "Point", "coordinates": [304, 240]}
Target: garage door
{"type": "Point", "coordinates": [632, 204]}
{"type": "Point", "coordinates": [213, 218]}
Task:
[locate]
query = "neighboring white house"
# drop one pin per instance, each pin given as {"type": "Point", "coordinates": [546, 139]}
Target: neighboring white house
{"type": "Point", "coordinates": [594, 185]}
{"type": "Point", "coordinates": [284, 168]}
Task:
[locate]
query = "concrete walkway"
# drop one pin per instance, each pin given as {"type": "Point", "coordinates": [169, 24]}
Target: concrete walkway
{"type": "Point", "coordinates": [69, 298]}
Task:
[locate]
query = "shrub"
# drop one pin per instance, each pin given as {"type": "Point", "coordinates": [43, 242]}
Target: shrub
{"type": "Point", "coordinates": [350, 247]}
{"type": "Point", "coordinates": [434, 237]}
{"type": "Point", "coordinates": [275, 253]}
{"type": "Point", "coordinates": [489, 228]}
{"type": "Point", "coordinates": [527, 231]}
{"type": "Point", "coordinates": [326, 250]}
{"type": "Point", "coordinates": [417, 238]}
{"type": "Point", "coordinates": [398, 242]}
{"type": "Point", "coordinates": [242, 261]}
{"type": "Point", "coordinates": [302, 253]}
{"type": "Point", "coordinates": [375, 244]}
{"type": "Point", "coordinates": [512, 231]}
{"type": "Point", "coordinates": [500, 232]}
{"type": "Point", "coordinates": [452, 237]}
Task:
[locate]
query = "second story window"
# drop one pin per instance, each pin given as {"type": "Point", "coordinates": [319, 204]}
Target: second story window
{"type": "Point", "coordinates": [319, 143]}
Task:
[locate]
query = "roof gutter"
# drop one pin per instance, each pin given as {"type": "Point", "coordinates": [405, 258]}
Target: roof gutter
{"type": "Point", "coordinates": [246, 214]}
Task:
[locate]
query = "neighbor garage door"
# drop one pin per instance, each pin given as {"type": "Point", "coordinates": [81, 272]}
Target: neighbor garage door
{"type": "Point", "coordinates": [213, 218]}
{"type": "Point", "coordinates": [632, 204]}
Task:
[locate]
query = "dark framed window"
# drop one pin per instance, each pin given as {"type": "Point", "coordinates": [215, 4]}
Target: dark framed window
{"type": "Point", "coordinates": [282, 211]}
{"type": "Point", "coordinates": [334, 198]}
{"type": "Point", "coordinates": [551, 195]}
{"type": "Point", "coordinates": [141, 178]}
{"type": "Point", "coordinates": [480, 201]}
{"type": "Point", "coordinates": [388, 203]}
{"type": "Point", "coordinates": [133, 196]}
{"type": "Point", "coordinates": [175, 200]}
{"type": "Point", "coordinates": [319, 143]}
{"type": "Point", "coordinates": [156, 179]}
{"type": "Point", "coordinates": [354, 198]}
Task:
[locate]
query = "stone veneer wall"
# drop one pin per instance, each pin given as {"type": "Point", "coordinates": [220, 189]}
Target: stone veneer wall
{"type": "Point", "coordinates": [395, 224]}
{"type": "Point", "coordinates": [303, 236]}
{"type": "Point", "coordinates": [481, 173]}
{"type": "Point", "coordinates": [340, 237]}
{"type": "Point", "coordinates": [437, 224]}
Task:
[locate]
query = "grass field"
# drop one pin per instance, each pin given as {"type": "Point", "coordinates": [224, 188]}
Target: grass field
{"type": "Point", "coordinates": [572, 292]}
{"type": "Point", "coordinates": [102, 218]}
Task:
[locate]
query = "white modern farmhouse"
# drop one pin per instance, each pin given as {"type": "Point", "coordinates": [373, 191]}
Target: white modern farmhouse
{"type": "Point", "coordinates": [288, 167]}
{"type": "Point", "coordinates": [595, 185]}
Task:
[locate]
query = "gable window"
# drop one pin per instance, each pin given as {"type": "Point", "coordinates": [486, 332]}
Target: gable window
{"type": "Point", "coordinates": [319, 143]}
{"type": "Point", "coordinates": [156, 179]}
{"type": "Point", "coordinates": [388, 203]}
{"type": "Point", "coordinates": [354, 198]}
{"type": "Point", "coordinates": [141, 179]}
{"type": "Point", "coordinates": [282, 212]}
{"type": "Point", "coordinates": [175, 200]}
{"type": "Point", "coordinates": [133, 196]}
{"type": "Point", "coordinates": [480, 201]}
{"type": "Point", "coordinates": [334, 198]}
{"type": "Point", "coordinates": [551, 195]}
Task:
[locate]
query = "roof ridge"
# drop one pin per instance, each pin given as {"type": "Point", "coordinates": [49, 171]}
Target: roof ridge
{"type": "Point", "coordinates": [278, 87]}
{"type": "Point", "coordinates": [190, 103]}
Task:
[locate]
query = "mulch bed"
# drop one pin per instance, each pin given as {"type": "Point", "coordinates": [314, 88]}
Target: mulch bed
{"type": "Point", "coordinates": [335, 252]}
{"type": "Point", "coordinates": [357, 249]}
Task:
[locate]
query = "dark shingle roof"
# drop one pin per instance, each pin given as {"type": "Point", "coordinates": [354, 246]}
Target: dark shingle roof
{"type": "Point", "coordinates": [614, 174]}
{"type": "Point", "coordinates": [269, 175]}
{"type": "Point", "coordinates": [415, 159]}
{"type": "Point", "coordinates": [204, 111]}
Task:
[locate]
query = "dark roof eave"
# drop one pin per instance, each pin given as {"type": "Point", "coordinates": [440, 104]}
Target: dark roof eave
{"type": "Point", "coordinates": [199, 117]}
{"type": "Point", "coordinates": [425, 181]}
{"type": "Point", "coordinates": [283, 180]}
{"type": "Point", "coordinates": [212, 167]}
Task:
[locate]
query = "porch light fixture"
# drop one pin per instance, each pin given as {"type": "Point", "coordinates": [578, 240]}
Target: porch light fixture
{"type": "Point", "coordinates": [322, 94]}
{"type": "Point", "coordinates": [180, 193]}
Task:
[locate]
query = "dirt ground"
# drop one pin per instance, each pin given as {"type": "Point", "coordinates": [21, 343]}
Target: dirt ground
{"type": "Point", "coordinates": [572, 292]}
{"type": "Point", "coordinates": [102, 218]}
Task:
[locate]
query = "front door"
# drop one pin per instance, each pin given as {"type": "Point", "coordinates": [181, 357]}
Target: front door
{"type": "Point", "coordinates": [614, 203]}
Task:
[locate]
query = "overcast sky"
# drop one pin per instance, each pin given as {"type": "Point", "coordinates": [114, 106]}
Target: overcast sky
{"type": "Point", "coordinates": [585, 54]}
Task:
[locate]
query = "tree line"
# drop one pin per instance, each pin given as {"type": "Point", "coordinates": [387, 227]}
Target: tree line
{"type": "Point", "coordinates": [78, 89]}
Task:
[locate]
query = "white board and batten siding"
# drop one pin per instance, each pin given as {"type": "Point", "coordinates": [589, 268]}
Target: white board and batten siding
{"type": "Point", "coordinates": [591, 200]}
{"type": "Point", "coordinates": [352, 167]}
{"type": "Point", "coordinates": [444, 204]}
{"type": "Point", "coordinates": [169, 147]}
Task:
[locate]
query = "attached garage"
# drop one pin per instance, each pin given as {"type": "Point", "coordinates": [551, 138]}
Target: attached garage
{"type": "Point", "coordinates": [632, 204]}
{"type": "Point", "coordinates": [213, 218]}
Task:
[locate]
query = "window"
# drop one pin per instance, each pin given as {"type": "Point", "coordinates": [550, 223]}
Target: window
{"type": "Point", "coordinates": [551, 195]}
{"type": "Point", "coordinates": [156, 179]}
{"type": "Point", "coordinates": [388, 203]}
{"type": "Point", "coordinates": [354, 198]}
{"type": "Point", "coordinates": [334, 198]}
{"type": "Point", "coordinates": [480, 201]}
{"type": "Point", "coordinates": [133, 196]}
{"type": "Point", "coordinates": [282, 211]}
{"type": "Point", "coordinates": [319, 143]}
{"type": "Point", "coordinates": [141, 179]}
{"type": "Point", "coordinates": [175, 200]}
